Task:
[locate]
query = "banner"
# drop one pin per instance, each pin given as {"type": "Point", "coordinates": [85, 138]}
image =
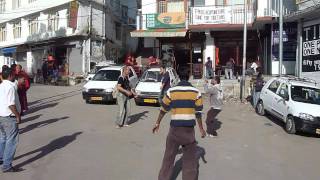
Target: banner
{"type": "Point", "coordinates": [73, 14]}
{"type": "Point", "coordinates": [166, 20]}
{"type": "Point", "coordinates": [311, 48]}
{"type": "Point", "coordinates": [211, 15]}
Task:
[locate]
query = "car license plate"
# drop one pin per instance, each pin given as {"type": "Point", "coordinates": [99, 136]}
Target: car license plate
{"type": "Point", "coordinates": [96, 98]}
{"type": "Point", "coordinates": [150, 100]}
{"type": "Point", "coordinates": [317, 131]}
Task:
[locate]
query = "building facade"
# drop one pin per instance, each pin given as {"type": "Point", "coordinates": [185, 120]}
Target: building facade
{"type": "Point", "coordinates": [75, 33]}
{"type": "Point", "coordinates": [307, 17]}
{"type": "Point", "coordinates": [215, 29]}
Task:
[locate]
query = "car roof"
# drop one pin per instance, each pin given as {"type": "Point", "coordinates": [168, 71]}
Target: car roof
{"type": "Point", "coordinates": [295, 81]}
{"type": "Point", "coordinates": [112, 68]}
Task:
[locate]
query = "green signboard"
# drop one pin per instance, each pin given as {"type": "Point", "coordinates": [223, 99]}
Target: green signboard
{"type": "Point", "coordinates": [166, 20]}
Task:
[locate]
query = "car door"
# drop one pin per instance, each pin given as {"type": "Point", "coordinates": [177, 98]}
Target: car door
{"type": "Point", "coordinates": [133, 78]}
{"type": "Point", "coordinates": [270, 94]}
{"type": "Point", "coordinates": [280, 101]}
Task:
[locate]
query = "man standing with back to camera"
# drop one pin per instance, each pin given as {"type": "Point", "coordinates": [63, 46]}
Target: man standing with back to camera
{"type": "Point", "coordinates": [185, 103]}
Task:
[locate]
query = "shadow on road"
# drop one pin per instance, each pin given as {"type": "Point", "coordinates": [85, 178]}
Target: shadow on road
{"type": "Point", "coordinates": [31, 118]}
{"type": "Point", "coordinates": [63, 95]}
{"type": "Point", "coordinates": [41, 124]}
{"type": "Point", "coordinates": [136, 117]}
{"type": "Point", "coordinates": [47, 149]}
{"type": "Point", "coordinates": [201, 152]}
{"type": "Point", "coordinates": [40, 107]}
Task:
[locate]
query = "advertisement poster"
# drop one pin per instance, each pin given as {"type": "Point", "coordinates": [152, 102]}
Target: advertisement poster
{"type": "Point", "coordinates": [73, 14]}
{"type": "Point", "coordinates": [311, 48]}
{"type": "Point", "coordinates": [289, 42]}
{"type": "Point", "coordinates": [166, 20]}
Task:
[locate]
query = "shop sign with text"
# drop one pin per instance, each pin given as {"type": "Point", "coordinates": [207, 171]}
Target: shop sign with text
{"type": "Point", "coordinates": [166, 20]}
{"type": "Point", "coordinates": [311, 48]}
{"type": "Point", "coordinates": [211, 15]}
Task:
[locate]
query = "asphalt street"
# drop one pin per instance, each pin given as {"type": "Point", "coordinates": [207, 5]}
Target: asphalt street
{"type": "Point", "coordinates": [62, 138]}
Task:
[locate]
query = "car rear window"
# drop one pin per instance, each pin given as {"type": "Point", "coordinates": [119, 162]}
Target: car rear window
{"type": "Point", "coordinates": [107, 75]}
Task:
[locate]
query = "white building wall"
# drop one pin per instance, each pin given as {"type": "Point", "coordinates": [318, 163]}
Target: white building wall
{"type": "Point", "coordinates": [148, 7]}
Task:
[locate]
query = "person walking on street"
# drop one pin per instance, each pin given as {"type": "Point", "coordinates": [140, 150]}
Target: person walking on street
{"type": "Point", "coordinates": [44, 69]}
{"type": "Point", "coordinates": [185, 103]}
{"type": "Point", "coordinates": [23, 86]}
{"type": "Point", "coordinates": [257, 84]}
{"type": "Point", "coordinates": [209, 69]}
{"type": "Point", "coordinates": [9, 120]}
{"type": "Point", "coordinates": [229, 69]}
{"type": "Point", "coordinates": [123, 98]}
{"type": "Point", "coordinates": [215, 92]}
{"type": "Point", "coordinates": [165, 82]}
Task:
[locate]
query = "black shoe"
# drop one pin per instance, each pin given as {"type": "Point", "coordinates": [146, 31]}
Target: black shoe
{"type": "Point", "coordinates": [13, 169]}
{"type": "Point", "coordinates": [1, 162]}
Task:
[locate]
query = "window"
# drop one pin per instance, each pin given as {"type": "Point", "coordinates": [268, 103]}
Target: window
{"type": "Point", "coordinates": [274, 86]}
{"type": "Point", "coordinates": [283, 91]}
{"type": "Point", "coordinates": [124, 12]}
{"type": "Point", "coordinates": [118, 31]}
{"type": "Point", "coordinates": [3, 33]}
{"type": "Point", "coordinates": [53, 22]}
{"type": "Point", "coordinates": [115, 4]}
{"type": "Point", "coordinates": [170, 6]}
{"type": "Point", "coordinates": [31, 1]}
{"type": "Point", "coordinates": [16, 4]}
{"type": "Point", "coordinates": [33, 26]}
{"type": "Point", "coordinates": [2, 6]}
{"type": "Point", "coordinates": [17, 30]}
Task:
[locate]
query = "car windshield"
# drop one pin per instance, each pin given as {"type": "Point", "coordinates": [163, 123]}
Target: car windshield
{"type": "Point", "coordinates": [305, 94]}
{"type": "Point", "coordinates": [107, 75]}
{"type": "Point", "coordinates": [96, 69]}
{"type": "Point", "coordinates": [151, 76]}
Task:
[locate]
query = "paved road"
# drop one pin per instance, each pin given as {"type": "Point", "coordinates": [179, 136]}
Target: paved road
{"type": "Point", "coordinates": [62, 138]}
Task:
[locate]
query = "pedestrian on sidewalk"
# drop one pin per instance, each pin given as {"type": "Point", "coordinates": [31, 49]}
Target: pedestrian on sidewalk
{"type": "Point", "coordinates": [23, 87]}
{"type": "Point", "coordinates": [185, 103]}
{"type": "Point", "coordinates": [215, 92]}
{"type": "Point", "coordinates": [125, 93]}
{"type": "Point", "coordinates": [257, 82]}
{"type": "Point", "coordinates": [9, 120]}
{"type": "Point", "coordinates": [209, 69]}
{"type": "Point", "coordinates": [229, 69]}
{"type": "Point", "coordinates": [165, 82]}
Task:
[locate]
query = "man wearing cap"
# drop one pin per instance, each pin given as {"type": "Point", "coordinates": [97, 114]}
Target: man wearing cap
{"type": "Point", "coordinates": [9, 120]}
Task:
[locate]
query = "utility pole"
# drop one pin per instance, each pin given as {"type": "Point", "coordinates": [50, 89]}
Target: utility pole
{"type": "Point", "coordinates": [280, 38]}
{"type": "Point", "coordinates": [90, 35]}
{"type": "Point", "coordinates": [244, 59]}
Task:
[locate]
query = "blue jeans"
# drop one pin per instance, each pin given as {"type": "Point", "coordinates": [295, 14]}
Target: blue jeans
{"type": "Point", "coordinates": [8, 141]}
{"type": "Point", "coordinates": [256, 97]}
{"type": "Point", "coordinates": [210, 73]}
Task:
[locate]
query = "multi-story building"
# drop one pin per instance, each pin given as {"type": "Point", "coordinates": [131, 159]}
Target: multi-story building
{"type": "Point", "coordinates": [74, 32]}
{"type": "Point", "coordinates": [198, 29]}
{"type": "Point", "coordinates": [308, 50]}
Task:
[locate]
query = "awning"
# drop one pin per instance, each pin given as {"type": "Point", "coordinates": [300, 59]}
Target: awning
{"type": "Point", "coordinates": [159, 33]}
{"type": "Point", "coordinates": [8, 50]}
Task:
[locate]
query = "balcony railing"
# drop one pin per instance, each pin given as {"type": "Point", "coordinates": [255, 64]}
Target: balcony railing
{"type": "Point", "coordinates": [232, 14]}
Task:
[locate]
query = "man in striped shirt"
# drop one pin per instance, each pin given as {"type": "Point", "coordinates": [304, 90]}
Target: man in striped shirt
{"type": "Point", "coordinates": [185, 103]}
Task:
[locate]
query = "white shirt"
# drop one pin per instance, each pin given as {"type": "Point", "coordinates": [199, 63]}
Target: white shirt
{"type": "Point", "coordinates": [8, 97]}
{"type": "Point", "coordinates": [254, 66]}
{"type": "Point", "coordinates": [216, 95]}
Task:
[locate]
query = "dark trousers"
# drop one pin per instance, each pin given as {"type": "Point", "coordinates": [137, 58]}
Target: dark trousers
{"type": "Point", "coordinates": [211, 120]}
{"type": "Point", "coordinates": [185, 137]}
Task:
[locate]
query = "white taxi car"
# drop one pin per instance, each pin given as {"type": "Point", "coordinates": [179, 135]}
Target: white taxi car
{"type": "Point", "coordinates": [295, 101]}
{"type": "Point", "coordinates": [101, 86]}
{"type": "Point", "coordinates": [148, 88]}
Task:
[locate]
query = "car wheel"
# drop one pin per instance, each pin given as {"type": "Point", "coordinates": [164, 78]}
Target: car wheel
{"type": "Point", "coordinates": [260, 108]}
{"type": "Point", "coordinates": [290, 125]}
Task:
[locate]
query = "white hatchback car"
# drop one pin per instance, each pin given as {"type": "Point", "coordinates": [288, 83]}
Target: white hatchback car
{"type": "Point", "coordinates": [294, 100]}
{"type": "Point", "coordinates": [101, 86]}
{"type": "Point", "coordinates": [148, 88]}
